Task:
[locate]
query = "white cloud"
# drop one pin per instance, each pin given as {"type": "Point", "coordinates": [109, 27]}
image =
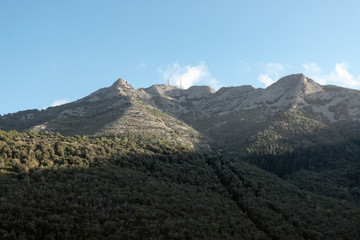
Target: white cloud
{"type": "Point", "coordinates": [264, 78]}
{"type": "Point", "coordinates": [272, 73]}
{"type": "Point", "coordinates": [187, 76]}
{"type": "Point", "coordinates": [59, 102]}
{"type": "Point", "coordinates": [339, 76]}
{"type": "Point", "coordinates": [342, 76]}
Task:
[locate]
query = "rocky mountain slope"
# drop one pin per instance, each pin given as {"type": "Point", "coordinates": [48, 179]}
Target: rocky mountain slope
{"type": "Point", "coordinates": [118, 109]}
{"type": "Point", "coordinates": [290, 92]}
{"type": "Point", "coordinates": [232, 117]}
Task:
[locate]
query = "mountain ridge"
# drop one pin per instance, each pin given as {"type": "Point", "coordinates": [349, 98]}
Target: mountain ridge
{"type": "Point", "coordinates": [230, 116]}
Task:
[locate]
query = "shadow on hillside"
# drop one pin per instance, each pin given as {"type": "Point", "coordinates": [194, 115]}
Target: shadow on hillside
{"type": "Point", "coordinates": [330, 169]}
{"type": "Point", "coordinates": [129, 197]}
{"type": "Point", "coordinates": [172, 196]}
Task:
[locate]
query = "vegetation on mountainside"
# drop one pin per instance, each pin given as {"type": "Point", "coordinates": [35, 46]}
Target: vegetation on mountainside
{"type": "Point", "coordinates": [313, 156]}
{"type": "Point", "coordinates": [128, 187]}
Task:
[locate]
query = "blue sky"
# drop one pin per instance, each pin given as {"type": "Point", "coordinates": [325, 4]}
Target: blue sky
{"type": "Point", "coordinates": [52, 51]}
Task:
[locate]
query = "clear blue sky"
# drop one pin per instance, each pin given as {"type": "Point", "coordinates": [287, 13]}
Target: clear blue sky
{"type": "Point", "coordinates": [64, 50]}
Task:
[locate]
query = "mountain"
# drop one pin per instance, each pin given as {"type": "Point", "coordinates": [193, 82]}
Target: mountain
{"type": "Point", "coordinates": [117, 109]}
{"type": "Point", "coordinates": [170, 163]}
{"type": "Point", "coordinates": [295, 114]}
{"type": "Point", "coordinates": [228, 119]}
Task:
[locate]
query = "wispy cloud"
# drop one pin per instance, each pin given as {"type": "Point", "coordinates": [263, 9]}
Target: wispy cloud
{"type": "Point", "coordinates": [339, 76]}
{"type": "Point", "coordinates": [342, 76]}
{"type": "Point", "coordinates": [272, 73]}
{"type": "Point", "coordinates": [187, 76]}
{"type": "Point", "coordinates": [264, 78]}
{"type": "Point", "coordinates": [59, 102]}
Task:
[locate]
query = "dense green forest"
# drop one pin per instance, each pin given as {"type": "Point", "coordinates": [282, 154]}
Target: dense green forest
{"type": "Point", "coordinates": [131, 187]}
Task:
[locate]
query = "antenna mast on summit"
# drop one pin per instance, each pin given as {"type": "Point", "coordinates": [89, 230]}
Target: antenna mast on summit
{"type": "Point", "coordinates": [181, 83]}
{"type": "Point", "coordinates": [168, 82]}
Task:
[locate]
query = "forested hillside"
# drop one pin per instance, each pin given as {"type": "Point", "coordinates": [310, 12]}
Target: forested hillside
{"type": "Point", "coordinates": [313, 156]}
{"type": "Point", "coordinates": [129, 187]}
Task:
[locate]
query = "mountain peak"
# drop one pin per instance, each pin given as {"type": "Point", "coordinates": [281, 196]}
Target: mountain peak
{"type": "Point", "coordinates": [289, 81]}
{"type": "Point", "coordinates": [297, 83]}
{"type": "Point", "coordinates": [119, 88]}
{"type": "Point", "coordinates": [121, 83]}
